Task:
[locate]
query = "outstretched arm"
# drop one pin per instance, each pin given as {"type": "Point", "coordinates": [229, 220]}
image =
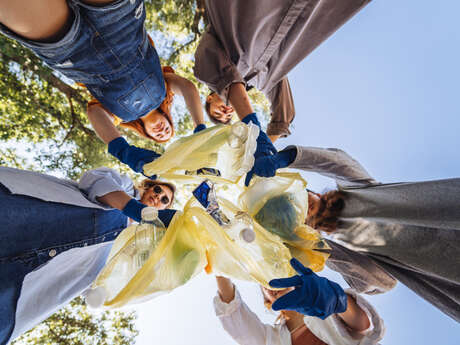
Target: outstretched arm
{"type": "Point", "coordinates": [226, 289]}
{"type": "Point", "coordinates": [354, 317]}
{"type": "Point", "coordinates": [134, 157]}
{"type": "Point", "coordinates": [188, 90]}
{"type": "Point", "coordinates": [102, 123]}
{"type": "Point", "coordinates": [238, 320]}
{"type": "Point", "coordinates": [331, 162]}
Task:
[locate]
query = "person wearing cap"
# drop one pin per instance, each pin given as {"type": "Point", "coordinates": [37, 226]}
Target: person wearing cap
{"type": "Point", "coordinates": [383, 232]}
{"type": "Point", "coordinates": [252, 43]}
{"type": "Point", "coordinates": [57, 233]}
{"type": "Point", "coordinates": [313, 311]}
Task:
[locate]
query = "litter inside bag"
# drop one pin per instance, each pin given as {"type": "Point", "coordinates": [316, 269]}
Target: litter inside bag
{"type": "Point", "coordinates": [280, 204]}
{"type": "Point", "coordinates": [278, 215]}
{"type": "Point", "coordinates": [193, 242]}
{"type": "Point", "coordinates": [228, 148]}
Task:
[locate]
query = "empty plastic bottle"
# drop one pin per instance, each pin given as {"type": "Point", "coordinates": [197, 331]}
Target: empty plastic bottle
{"type": "Point", "coordinates": [148, 235]}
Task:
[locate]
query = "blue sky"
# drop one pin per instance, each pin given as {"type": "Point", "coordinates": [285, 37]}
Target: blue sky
{"type": "Point", "coordinates": [384, 88]}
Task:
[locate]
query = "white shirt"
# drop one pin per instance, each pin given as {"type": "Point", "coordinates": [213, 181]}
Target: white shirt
{"type": "Point", "coordinates": [68, 274]}
{"type": "Point", "coordinates": [246, 328]}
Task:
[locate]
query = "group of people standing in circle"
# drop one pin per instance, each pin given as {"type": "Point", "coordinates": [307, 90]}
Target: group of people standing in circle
{"type": "Point", "coordinates": [56, 233]}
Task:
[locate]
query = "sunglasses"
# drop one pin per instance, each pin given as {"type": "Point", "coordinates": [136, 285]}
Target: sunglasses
{"type": "Point", "coordinates": [158, 190]}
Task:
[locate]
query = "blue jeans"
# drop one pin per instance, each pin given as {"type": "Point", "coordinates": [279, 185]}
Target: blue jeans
{"type": "Point", "coordinates": [107, 49]}
{"type": "Point", "coordinates": [33, 231]}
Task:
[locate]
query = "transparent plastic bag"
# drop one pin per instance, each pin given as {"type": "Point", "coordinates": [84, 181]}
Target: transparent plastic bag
{"type": "Point", "coordinates": [228, 148]}
{"type": "Point", "coordinates": [178, 257]}
{"type": "Point", "coordinates": [280, 205]}
{"type": "Point", "coordinates": [193, 242]}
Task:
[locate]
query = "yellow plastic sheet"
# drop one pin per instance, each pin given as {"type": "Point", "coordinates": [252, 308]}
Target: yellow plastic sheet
{"type": "Point", "coordinates": [229, 148]}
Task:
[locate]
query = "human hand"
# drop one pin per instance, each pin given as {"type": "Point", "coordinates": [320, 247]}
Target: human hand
{"type": "Point", "coordinates": [312, 295]}
{"type": "Point", "coordinates": [264, 145]}
{"type": "Point", "coordinates": [199, 128]}
{"type": "Point", "coordinates": [266, 166]}
{"type": "Point", "coordinates": [134, 157]}
{"type": "Point", "coordinates": [133, 209]}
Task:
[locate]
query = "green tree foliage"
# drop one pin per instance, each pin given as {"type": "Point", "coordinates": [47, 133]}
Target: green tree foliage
{"type": "Point", "coordinates": [75, 325]}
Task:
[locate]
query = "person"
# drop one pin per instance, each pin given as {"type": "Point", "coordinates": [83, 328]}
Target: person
{"type": "Point", "coordinates": [255, 43]}
{"type": "Point", "coordinates": [56, 235]}
{"type": "Point", "coordinates": [383, 232]}
{"type": "Point", "coordinates": [316, 312]}
{"type": "Point", "coordinates": [104, 45]}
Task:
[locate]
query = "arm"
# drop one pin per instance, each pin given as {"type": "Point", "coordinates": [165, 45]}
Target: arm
{"type": "Point", "coordinates": [350, 327]}
{"type": "Point", "coordinates": [190, 93]}
{"type": "Point", "coordinates": [226, 289]}
{"type": "Point", "coordinates": [354, 317]}
{"type": "Point", "coordinates": [99, 182]}
{"type": "Point", "coordinates": [213, 66]}
{"type": "Point", "coordinates": [283, 110]}
{"type": "Point", "coordinates": [102, 124]}
{"type": "Point", "coordinates": [116, 200]}
{"type": "Point", "coordinates": [333, 163]}
{"type": "Point", "coordinates": [359, 271]}
{"type": "Point", "coordinates": [355, 327]}
{"type": "Point", "coordinates": [237, 319]}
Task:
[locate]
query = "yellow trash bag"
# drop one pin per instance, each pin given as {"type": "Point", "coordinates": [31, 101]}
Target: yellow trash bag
{"type": "Point", "coordinates": [280, 205]}
{"type": "Point", "coordinates": [228, 148]}
{"type": "Point", "coordinates": [178, 257]}
{"type": "Point", "coordinates": [260, 260]}
{"type": "Point", "coordinates": [193, 242]}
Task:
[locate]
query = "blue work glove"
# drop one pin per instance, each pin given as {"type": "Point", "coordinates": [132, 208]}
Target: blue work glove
{"type": "Point", "coordinates": [266, 166]}
{"type": "Point", "coordinates": [264, 144]}
{"type": "Point", "coordinates": [199, 128]}
{"type": "Point", "coordinates": [133, 210]}
{"type": "Point", "coordinates": [313, 295]}
{"type": "Point", "coordinates": [131, 155]}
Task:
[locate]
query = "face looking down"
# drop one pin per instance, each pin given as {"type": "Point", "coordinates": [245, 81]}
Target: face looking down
{"type": "Point", "coordinates": [157, 126]}
{"type": "Point", "coordinates": [159, 196]}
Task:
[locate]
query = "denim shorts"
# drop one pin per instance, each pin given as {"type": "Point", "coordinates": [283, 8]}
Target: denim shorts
{"type": "Point", "coordinates": [107, 49]}
{"type": "Point", "coordinates": [33, 231]}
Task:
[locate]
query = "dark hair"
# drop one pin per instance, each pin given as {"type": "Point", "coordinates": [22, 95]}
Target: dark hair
{"type": "Point", "coordinates": [326, 218]}
{"type": "Point", "coordinates": [207, 107]}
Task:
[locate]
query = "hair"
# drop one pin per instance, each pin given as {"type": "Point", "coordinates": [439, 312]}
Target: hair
{"type": "Point", "coordinates": [207, 107]}
{"type": "Point", "coordinates": [326, 218]}
{"type": "Point", "coordinates": [148, 183]}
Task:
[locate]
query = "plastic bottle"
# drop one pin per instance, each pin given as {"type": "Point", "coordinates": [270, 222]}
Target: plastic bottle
{"type": "Point", "coordinates": [241, 228]}
{"type": "Point", "coordinates": [148, 235]}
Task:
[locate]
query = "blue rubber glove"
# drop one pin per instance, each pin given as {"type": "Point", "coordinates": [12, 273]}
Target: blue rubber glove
{"type": "Point", "coordinates": [313, 295]}
{"type": "Point", "coordinates": [133, 210]}
{"type": "Point", "coordinates": [199, 128]}
{"type": "Point", "coordinates": [264, 144]}
{"type": "Point", "coordinates": [131, 155]}
{"type": "Point", "coordinates": [266, 166]}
